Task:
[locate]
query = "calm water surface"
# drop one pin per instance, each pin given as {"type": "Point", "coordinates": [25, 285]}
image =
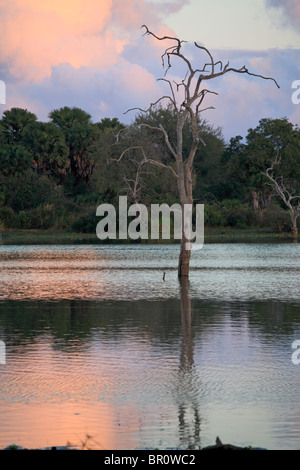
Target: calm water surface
{"type": "Point", "coordinates": [98, 344]}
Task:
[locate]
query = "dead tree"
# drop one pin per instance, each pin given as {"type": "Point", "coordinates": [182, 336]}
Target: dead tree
{"type": "Point", "coordinates": [134, 185]}
{"type": "Point", "coordinates": [186, 99]}
{"type": "Point", "coordinates": [285, 189]}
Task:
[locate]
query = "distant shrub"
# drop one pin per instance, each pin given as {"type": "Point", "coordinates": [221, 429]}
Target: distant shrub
{"type": "Point", "coordinates": [41, 217]}
{"type": "Point", "coordinates": [86, 223]}
{"type": "Point", "coordinates": [21, 220]}
{"type": "Point", "coordinates": [88, 198]}
{"type": "Point", "coordinates": [2, 197]}
{"type": "Point", "coordinates": [232, 204]}
{"type": "Point", "coordinates": [7, 216]}
{"type": "Point", "coordinates": [214, 216]}
{"type": "Point", "coordinates": [276, 219]}
{"type": "Point", "coordinates": [242, 217]}
{"type": "Point", "coordinates": [31, 191]}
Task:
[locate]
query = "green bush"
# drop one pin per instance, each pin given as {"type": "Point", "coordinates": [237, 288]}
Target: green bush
{"type": "Point", "coordinates": [7, 216]}
{"type": "Point", "coordinates": [86, 223]}
{"type": "Point", "coordinates": [242, 217]}
{"type": "Point", "coordinates": [276, 219]}
{"type": "Point", "coordinates": [30, 191]}
{"type": "Point", "coordinates": [21, 220]}
{"type": "Point", "coordinates": [214, 216]}
{"type": "Point", "coordinates": [41, 217]}
{"type": "Point", "coordinates": [232, 204]}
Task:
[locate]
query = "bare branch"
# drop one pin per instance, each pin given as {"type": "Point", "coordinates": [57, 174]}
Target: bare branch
{"type": "Point", "coordinates": [134, 186]}
{"type": "Point", "coordinates": [201, 97]}
{"type": "Point", "coordinates": [212, 64]}
{"type": "Point", "coordinates": [145, 159]}
{"type": "Point", "coordinates": [179, 42]}
{"type": "Point", "coordinates": [126, 151]}
{"type": "Point", "coordinates": [161, 129]}
{"type": "Point", "coordinates": [162, 165]}
{"type": "Point", "coordinates": [242, 70]}
{"type": "Point", "coordinates": [170, 51]}
{"type": "Point", "coordinates": [224, 70]}
{"type": "Point", "coordinates": [151, 105]}
{"type": "Point", "coordinates": [173, 100]}
{"type": "Point", "coordinates": [173, 50]}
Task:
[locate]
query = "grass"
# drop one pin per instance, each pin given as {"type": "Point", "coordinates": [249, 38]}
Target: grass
{"type": "Point", "coordinates": [212, 235]}
{"type": "Point", "coordinates": [253, 235]}
{"type": "Point", "coordinates": [32, 237]}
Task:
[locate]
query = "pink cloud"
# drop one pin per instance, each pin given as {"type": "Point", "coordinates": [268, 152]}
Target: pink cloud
{"type": "Point", "coordinates": [38, 35]}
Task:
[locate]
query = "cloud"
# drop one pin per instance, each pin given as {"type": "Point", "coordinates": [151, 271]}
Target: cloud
{"type": "Point", "coordinates": [101, 93]}
{"type": "Point", "coordinates": [290, 9]}
{"type": "Point", "coordinates": [36, 36]}
{"type": "Point", "coordinates": [79, 53]}
{"type": "Point", "coordinates": [94, 55]}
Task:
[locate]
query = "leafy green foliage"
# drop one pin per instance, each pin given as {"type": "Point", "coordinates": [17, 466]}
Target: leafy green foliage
{"type": "Point", "coordinates": [14, 125]}
{"type": "Point", "coordinates": [79, 133]}
{"type": "Point", "coordinates": [14, 159]}
{"type": "Point", "coordinates": [56, 173]}
{"type": "Point", "coordinates": [48, 148]}
{"type": "Point", "coordinates": [245, 162]}
{"type": "Point", "coordinates": [15, 155]}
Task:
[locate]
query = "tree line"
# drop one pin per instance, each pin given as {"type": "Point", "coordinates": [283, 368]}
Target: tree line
{"type": "Point", "coordinates": [54, 174]}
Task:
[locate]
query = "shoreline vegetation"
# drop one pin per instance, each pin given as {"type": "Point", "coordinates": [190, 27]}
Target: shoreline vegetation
{"type": "Point", "coordinates": [218, 446]}
{"type": "Point", "coordinates": [54, 174]}
{"type": "Point", "coordinates": [211, 235]}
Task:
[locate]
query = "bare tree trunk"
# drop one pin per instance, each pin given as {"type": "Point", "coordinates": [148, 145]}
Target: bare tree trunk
{"type": "Point", "coordinates": [185, 244]}
{"type": "Point", "coordinates": [184, 258]}
{"type": "Point", "coordinates": [294, 227]}
{"type": "Point", "coordinates": [187, 350]}
{"type": "Point", "coordinates": [255, 201]}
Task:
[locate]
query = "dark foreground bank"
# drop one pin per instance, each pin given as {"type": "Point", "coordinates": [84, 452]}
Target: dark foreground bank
{"type": "Point", "coordinates": [218, 446]}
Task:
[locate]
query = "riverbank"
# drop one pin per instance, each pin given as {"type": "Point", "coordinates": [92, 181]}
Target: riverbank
{"type": "Point", "coordinates": [219, 235]}
{"type": "Point", "coordinates": [218, 446]}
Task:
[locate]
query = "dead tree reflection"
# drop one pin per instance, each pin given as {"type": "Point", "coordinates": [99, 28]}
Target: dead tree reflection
{"type": "Point", "coordinates": [188, 380]}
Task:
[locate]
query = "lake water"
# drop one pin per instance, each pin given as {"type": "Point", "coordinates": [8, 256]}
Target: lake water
{"type": "Point", "coordinates": [98, 345]}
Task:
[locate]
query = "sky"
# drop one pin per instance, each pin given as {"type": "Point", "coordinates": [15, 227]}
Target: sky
{"type": "Point", "coordinates": [93, 54]}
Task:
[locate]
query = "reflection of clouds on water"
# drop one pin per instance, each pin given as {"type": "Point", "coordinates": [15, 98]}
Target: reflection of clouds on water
{"type": "Point", "coordinates": [175, 371]}
{"type": "Point", "coordinates": [224, 272]}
